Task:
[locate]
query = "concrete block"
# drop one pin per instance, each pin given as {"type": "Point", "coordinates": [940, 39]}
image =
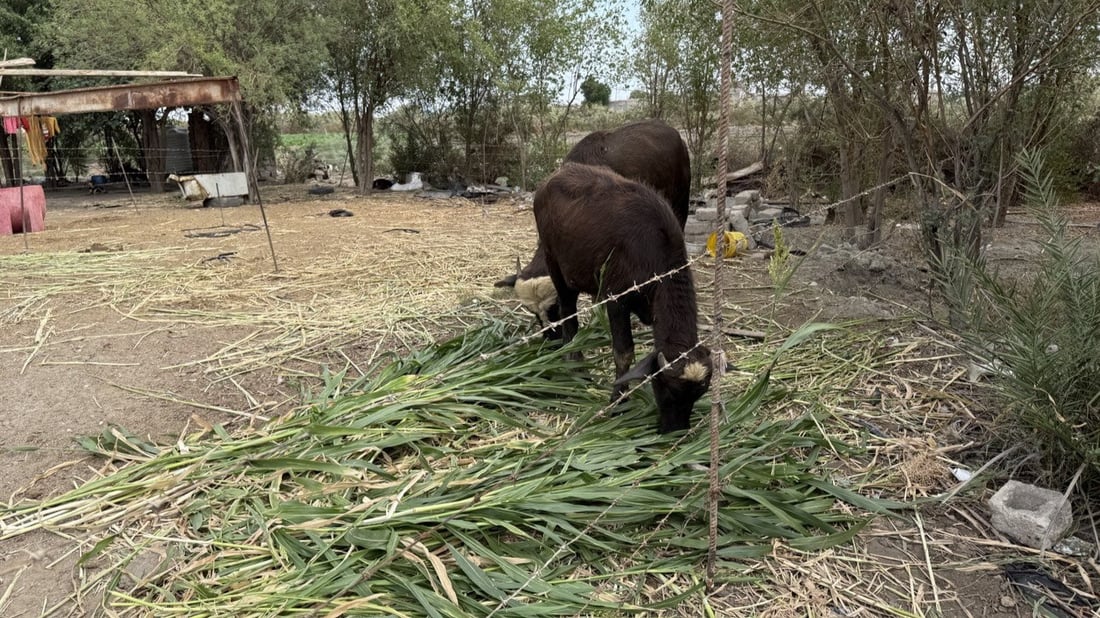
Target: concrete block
{"type": "Point", "coordinates": [694, 248]}
{"type": "Point", "coordinates": [1032, 515]}
{"type": "Point", "coordinates": [768, 213]}
{"type": "Point", "coordinates": [740, 224]}
{"type": "Point", "coordinates": [694, 226]}
{"type": "Point", "coordinates": [706, 214]}
{"type": "Point", "coordinates": [737, 210]}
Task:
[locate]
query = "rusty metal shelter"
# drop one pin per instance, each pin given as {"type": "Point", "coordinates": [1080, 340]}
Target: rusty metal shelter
{"type": "Point", "coordinates": [186, 91]}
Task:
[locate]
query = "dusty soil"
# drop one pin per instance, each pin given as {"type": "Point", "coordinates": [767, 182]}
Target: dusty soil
{"type": "Point", "coordinates": [164, 359]}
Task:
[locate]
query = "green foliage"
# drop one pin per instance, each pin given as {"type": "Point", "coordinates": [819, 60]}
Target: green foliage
{"type": "Point", "coordinates": [1039, 334]}
{"type": "Point", "coordinates": [272, 46]}
{"type": "Point", "coordinates": [329, 147]}
{"type": "Point", "coordinates": [510, 78]}
{"type": "Point", "coordinates": [472, 478]}
{"type": "Point", "coordinates": [780, 268]}
{"type": "Point", "coordinates": [297, 164]}
{"type": "Point", "coordinates": [595, 92]}
{"type": "Point", "coordinates": [1079, 156]}
{"type": "Point", "coordinates": [378, 51]}
{"type": "Point", "coordinates": [677, 63]}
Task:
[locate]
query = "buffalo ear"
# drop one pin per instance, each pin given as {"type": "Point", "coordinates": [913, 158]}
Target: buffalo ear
{"type": "Point", "coordinates": [645, 368]}
{"type": "Point", "coordinates": [510, 280]}
{"type": "Point", "coordinates": [507, 282]}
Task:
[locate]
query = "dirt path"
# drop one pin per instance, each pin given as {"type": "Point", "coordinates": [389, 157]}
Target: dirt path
{"type": "Point", "coordinates": [151, 331]}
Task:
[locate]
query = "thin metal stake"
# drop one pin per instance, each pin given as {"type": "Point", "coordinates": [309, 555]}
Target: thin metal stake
{"type": "Point", "coordinates": [19, 172]}
{"type": "Point", "coordinates": [125, 176]}
{"type": "Point", "coordinates": [250, 174]}
{"type": "Point", "coordinates": [221, 205]}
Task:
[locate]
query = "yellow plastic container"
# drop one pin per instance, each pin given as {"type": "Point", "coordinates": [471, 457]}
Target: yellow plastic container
{"type": "Point", "coordinates": [735, 243]}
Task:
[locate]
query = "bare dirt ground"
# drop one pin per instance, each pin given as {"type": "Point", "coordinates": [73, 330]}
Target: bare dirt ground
{"type": "Point", "coordinates": [167, 320]}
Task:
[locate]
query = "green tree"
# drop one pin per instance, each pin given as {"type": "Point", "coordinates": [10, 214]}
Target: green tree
{"type": "Point", "coordinates": [512, 75]}
{"type": "Point", "coordinates": [377, 51]}
{"type": "Point", "coordinates": [947, 89]}
{"type": "Point", "coordinates": [564, 41]}
{"type": "Point", "coordinates": [677, 63]}
{"type": "Point", "coordinates": [272, 46]}
{"type": "Point", "coordinates": [595, 92]}
{"type": "Point", "coordinates": [656, 55]}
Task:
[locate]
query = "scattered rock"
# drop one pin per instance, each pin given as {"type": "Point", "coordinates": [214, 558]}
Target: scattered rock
{"type": "Point", "coordinates": [694, 227]}
{"type": "Point", "coordinates": [414, 184]}
{"type": "Point", "coordinates": [706, 214]}
{"type": "Point", "coordinates": [1073, 546]}
{"type": "Point", "coordinates": [1032, 515]}
{"type": "Point", "coordinates": [321, 190]}
{"type": "Point", "coordinates": [340, 212]}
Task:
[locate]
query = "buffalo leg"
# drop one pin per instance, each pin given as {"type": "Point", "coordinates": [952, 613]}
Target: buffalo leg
{"type": "Point", "coordinates": [553, 313]}
{"type": "Point", "coordinates": [622, 344]}
{"type": "Point", "coordinates": [567, 305]}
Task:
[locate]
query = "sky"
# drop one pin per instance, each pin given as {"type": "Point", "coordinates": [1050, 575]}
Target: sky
{"type": "Point", "coordinates": [631, 11]}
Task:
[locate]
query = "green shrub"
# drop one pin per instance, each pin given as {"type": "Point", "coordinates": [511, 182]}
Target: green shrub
{"type": "Point", "coordinates": [1039, 333]}
{"type": "Point", "coordinates": [297, 163]}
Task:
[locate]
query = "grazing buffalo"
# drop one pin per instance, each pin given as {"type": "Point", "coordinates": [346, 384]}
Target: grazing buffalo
{"type": "Point", "coordinates": [602, 234]}
{"type": "Point", "coordinates": [649, 152]}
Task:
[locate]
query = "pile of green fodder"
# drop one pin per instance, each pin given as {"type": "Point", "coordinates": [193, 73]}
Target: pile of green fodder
{"type": "Point", "coordinates": [477, 477]}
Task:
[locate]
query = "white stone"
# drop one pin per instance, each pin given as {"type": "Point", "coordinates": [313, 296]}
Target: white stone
{"type": "Point", "coordinates": [706, 214]}
{"type": "Point", "coordinates": [694, 226]}
{"type": "Point", "coordinates": [1032, 515]}
{"type": "Point", "coordinates": [694, 248]}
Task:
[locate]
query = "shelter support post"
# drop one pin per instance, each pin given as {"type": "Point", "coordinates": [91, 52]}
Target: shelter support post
{"type": "Point", "coordinates": [250, 173]}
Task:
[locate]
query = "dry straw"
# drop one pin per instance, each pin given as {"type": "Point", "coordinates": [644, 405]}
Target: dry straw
{"type": "Point", "coordinates": [486, 473]}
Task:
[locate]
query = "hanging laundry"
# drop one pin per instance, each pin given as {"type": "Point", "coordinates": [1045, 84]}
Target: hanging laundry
{"type": "Point", "coordinates": [36, 143]}
{"type": "Point", "coordinates": [50, 127]}
{"type": "Point", "coordinates": [11, 124]}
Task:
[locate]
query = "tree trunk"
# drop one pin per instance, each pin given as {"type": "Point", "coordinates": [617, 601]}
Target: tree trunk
{"type": "Point", "coordinates": [365, 145]}
{"type": "Point", "coordinates": [851, 211]}
{"type": "Point", "coordinates": [345, 122]}
{"type": "Point", "coordinates": [55, 169]}
{"type": "Point", "coordinates": [878, 200]}
{"type": "Point", "coordinates": [152, 143]}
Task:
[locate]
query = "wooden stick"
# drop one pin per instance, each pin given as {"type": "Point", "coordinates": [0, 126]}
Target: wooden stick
{"type": "Point", "coordinates": [714, 481]}
{"type": "Point", "coordinates": [747, 334]}
{"type": "Point", "coordinates": [16, 62]}
{"type": "Point", "coordinates": [122, 168]}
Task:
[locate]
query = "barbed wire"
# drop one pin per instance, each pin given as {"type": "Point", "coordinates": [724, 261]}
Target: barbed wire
{"type": "Point", "coordinates": [574, 429]}
{"type": "Point", "coordinates": [563, 438]}
{"type": "Point", "coordinates": [663, 521]}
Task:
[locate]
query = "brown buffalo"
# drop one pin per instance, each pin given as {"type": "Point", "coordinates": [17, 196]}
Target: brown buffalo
{"type": "Point", "coordinates": [648, 151]}
{"type": "Point", "coordinates": [602, 234]}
